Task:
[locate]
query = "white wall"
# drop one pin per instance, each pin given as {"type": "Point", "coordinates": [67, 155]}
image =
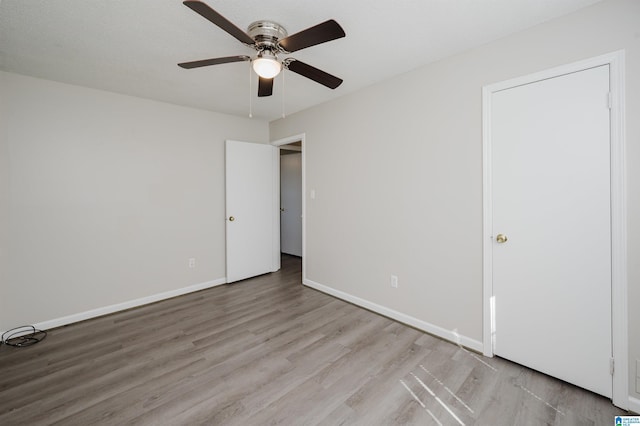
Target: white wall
{"type": "Point", "coordinates": [109, 197]}
{"type": "Point", "coordinates": [404, 196]}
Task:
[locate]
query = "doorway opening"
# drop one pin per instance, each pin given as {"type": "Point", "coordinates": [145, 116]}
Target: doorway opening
{"type": "Point", "coordinates": [291, 194]}
{"type": "Point", "coordinates": [291, 199]}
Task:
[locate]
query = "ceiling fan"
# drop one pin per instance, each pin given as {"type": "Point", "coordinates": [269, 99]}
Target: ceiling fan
{"type": "Point", "coordinates": [270, 39]}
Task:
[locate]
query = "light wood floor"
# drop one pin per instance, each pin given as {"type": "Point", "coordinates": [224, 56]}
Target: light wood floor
{"type": "Point", "coordinates": [271, 351]}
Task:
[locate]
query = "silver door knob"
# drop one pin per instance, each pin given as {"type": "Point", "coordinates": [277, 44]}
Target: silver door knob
{"type": "Point", "coordinates": [501, 238]}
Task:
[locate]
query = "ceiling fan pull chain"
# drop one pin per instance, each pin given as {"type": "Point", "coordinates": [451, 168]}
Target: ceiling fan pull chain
{"type": "Point", "coordinates": [283, 115]}
{"type": "Point", "coordinates": [250, 89]}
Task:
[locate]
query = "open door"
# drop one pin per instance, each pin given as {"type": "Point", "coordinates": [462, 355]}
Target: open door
{"type": "Point", "coordinates": [252, 209]}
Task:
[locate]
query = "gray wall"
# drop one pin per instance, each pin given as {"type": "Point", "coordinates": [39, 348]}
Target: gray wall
{"type": "Point", "coordinates": [404, 196]}
{"type": "Point", "coordinates": [109, 197]}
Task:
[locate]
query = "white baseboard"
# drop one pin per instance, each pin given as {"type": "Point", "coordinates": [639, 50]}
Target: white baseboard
{"type": "Point", "coordinates": [450, 335]}
{"type": "Point", "coordinates": [58, 322]}
{"type": "Point", "coordinates": [634, 405]}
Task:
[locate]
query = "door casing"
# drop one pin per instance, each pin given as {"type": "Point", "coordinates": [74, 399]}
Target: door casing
{"type": "Point", "coordinates": [619, 319]}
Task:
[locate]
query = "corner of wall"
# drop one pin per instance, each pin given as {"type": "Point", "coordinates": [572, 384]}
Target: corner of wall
{"type": "Point", "coordinates": [4, 200]}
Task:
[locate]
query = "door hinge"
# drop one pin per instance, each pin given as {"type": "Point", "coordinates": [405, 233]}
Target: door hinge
{"type": "Point", "coordinates": [612, 366]}
{"type": "Point", "coordinates": [609, 100]}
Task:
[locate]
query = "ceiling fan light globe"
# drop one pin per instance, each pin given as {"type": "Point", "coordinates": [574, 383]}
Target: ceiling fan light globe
{"type": "Point", "coordinates": [267, 67]}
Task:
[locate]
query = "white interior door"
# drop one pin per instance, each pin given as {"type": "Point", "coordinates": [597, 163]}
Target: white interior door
{"type": "Point", "coordinates": [551, 199]}
{"type": "Point", "coordinates": [251, 177]}
{"type": "Point", "coordinates": [291, 204]}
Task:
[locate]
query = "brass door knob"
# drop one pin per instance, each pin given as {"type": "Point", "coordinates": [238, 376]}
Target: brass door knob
{"type": "Point", "coordinates": [231, 218]}
{"type": "Point", "coordinates": [501, 238]}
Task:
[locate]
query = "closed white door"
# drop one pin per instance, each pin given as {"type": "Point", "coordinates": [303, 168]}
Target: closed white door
{"type": "Point", "coordinates": [291, 202]}
{"type": "Point", "coordinates": [551, 202]}
{"type": "Point", "coordinates": [251, 174]}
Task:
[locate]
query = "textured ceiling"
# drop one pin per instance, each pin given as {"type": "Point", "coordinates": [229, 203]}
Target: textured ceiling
{"type": "Point", "coordinates": [133, 46]}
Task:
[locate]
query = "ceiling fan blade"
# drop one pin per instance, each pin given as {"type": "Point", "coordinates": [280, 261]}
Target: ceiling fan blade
{"type": "Point", "coordinates": [313, 73]}
{"type": "Point", "coordinates": [265, 87]}
{"type": "Point", "coordinates": [321, 33]}
{"type": "Point", "coordinates": [213, 61]}
{"type": "Point", "coordinates": [206, 12]}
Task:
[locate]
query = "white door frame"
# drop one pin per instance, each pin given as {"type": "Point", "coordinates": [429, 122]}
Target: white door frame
{"type": "Point", "coordinates": [284, 141]}
{"type": "Point", "coordinates": [619, 317]}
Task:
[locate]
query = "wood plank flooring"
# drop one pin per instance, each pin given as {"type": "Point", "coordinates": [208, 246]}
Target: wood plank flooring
{"type": "Point", "coordinates": [271, 351]}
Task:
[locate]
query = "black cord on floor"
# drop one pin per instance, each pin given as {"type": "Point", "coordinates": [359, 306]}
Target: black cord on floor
{"type": "Point", "coordinates": [24, 336]}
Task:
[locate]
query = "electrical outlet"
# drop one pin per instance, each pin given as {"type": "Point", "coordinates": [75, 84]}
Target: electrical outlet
{"type": "Point", "coordinates": [192, 262]}
{"type": "Point", "coordinates": [394, 281]}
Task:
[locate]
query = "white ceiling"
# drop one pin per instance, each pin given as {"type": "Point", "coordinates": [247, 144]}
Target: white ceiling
{"type": "Point", "coordinates": [133, 46]}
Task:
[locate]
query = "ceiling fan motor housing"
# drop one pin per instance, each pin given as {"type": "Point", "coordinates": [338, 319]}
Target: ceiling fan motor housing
{"type": "Point", "coordinates": [266, 34]}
